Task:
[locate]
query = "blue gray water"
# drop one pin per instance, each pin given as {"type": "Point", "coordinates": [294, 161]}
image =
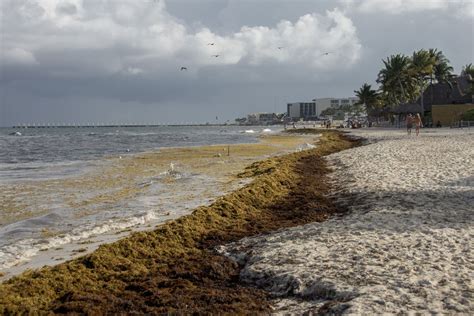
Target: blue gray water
{"type": "Point", "coordinates": [40, 212]}
{"type": "Point", "coordinates": [52, 152]}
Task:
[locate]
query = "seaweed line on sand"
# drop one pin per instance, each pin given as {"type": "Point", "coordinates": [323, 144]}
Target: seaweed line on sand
{"type": "Point", "coordinates": [175, 268]}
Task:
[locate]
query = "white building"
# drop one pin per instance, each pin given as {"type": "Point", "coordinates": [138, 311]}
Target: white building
{"type": "Point", "coordinates": [335, 102]}
{"type": "Point", "coordinates": [302, 110]}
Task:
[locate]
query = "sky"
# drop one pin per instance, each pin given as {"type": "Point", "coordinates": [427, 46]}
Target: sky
{"type": "Point", "coordinates": [119, 61]}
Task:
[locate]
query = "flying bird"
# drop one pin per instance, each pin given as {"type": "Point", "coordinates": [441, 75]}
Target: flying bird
{"type": "Point", "coordinates": [211, 44]}
{"type": "Point", "coordinates": [183, 68]}
{"type": "Point", "coordinates": [327, 53]}
{"type": "Point", "coordinates": [215, 56]}
{"type": "Point", "coordinates": [280, 47]}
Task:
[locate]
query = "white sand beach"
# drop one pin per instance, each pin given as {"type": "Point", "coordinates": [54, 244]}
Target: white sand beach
{"type": "Point", "coordinates": [405, 244]}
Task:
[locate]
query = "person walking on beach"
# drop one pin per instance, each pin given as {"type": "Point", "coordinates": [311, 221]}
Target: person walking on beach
{"type": "Point", "coordinates": [409, 122]}
{"type": "Point", "coordinates": [418, 123]}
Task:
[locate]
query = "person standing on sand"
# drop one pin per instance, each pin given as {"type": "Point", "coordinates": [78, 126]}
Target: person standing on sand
{"type": "Point", "coordinates": [409, 122]}
{"type": "Point", "coordinates": [418, 123]}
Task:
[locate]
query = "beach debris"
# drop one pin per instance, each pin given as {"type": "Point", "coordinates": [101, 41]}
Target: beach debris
{"type": "Point", "coordinates": [266, 130]}
{"type": "Point", "coordinates": [305, 146]}
{"type": "Point", "coordinates": [170, 175]}
{"type": "Point", "coordinates": [172, 171]}
{"type": "Point", "coordinates": [46, 233]}
{"type": "Point", "coordinates": [145, 184]}
{"type": "Point", "coordinates": [79, 250]}
{"type": "Point", "coordinates": [249, 131]}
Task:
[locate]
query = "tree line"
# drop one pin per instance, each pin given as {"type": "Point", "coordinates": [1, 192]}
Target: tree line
{"type": "Point", "coordinates": [404, 78]}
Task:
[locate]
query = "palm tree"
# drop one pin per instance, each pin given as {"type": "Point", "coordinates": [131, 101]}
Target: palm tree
{"type": "Point", "coordinates": [443, 72]}
{"type": "Point", "coordinates": [468, 70]}
{"type": "Point", "coordinates": [368, 97]}
{"type": "Point", "coordinates": [397, 83]}
{"type": "Point", "coordinates": [422, 63]}
{"type": "Point", "coordinates": [442, 69]}
{"type": "Point", "coordinates": [422, 67]}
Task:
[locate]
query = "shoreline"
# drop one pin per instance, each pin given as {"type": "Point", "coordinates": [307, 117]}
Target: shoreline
{"type": "Point", "coordinates": [202, 174]}
{"type": "Point", "coordinates": [179, 255]}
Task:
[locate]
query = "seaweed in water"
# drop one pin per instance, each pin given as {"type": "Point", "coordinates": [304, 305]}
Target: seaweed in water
{"type": "Point", "coordinates": [175, 268]}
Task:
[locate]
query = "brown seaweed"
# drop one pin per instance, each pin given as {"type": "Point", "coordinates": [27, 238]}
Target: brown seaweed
{"type": "Point", "coordinates": [174, 268]}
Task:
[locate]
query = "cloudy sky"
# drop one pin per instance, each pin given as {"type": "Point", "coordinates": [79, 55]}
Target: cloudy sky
{"type": "Point", "coordinates": [108, 61]}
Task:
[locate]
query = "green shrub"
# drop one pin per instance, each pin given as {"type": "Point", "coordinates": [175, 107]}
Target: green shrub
{"type": "Point", "coordinates": [468, 116]}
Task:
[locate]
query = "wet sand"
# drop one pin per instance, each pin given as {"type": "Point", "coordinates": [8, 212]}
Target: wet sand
{"type": "Point", "coordinates": [115, 179]}
{"type": "Point", "coordinates": [140, 183]}
{"type": "Point", "coordinates": [175, 268]}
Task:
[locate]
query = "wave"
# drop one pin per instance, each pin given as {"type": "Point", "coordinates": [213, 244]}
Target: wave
{"type": "Point", "coordinates": [34, 170]}
{"type": "Point", "coordinates": [22, 250]}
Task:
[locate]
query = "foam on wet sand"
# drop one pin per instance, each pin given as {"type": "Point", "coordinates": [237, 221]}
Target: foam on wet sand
{"type": "Point", "coordinates": [404, 245]}
{"type": "Point", "coordinates": [174, 268]}
{"type": "Point", "coordinates": [45, 222]}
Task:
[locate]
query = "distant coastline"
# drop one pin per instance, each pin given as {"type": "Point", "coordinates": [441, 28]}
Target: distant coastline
{"type": "Point", "coordinates": [27, 126]}
{"type": "Point", "coordinates": [116, 125]}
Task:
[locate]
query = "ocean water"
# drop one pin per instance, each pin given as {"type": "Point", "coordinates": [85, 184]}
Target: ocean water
{"type": "Point", "coordinates": [56, 152]}
{"type": "Point", "coordinates": [40, 209]}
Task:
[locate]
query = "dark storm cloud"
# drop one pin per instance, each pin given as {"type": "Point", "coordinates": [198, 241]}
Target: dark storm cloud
{"type": "Point", "coordinates": [120, 60]}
